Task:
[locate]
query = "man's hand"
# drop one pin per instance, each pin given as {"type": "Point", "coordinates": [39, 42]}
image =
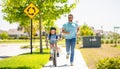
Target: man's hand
{"type": "Point", "coordinates": [64, 32]}
{"type": "Point", "coordinates": [77, 34]}
{"type": "Point", "coordinates": [67, 32]}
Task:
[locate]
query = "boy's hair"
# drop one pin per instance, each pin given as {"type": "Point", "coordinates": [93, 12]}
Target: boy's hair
{"type": "Point", "coordinates": [52, 28]}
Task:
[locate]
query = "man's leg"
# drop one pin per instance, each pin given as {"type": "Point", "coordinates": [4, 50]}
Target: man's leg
{"type": "Point", "coordinates": [73, 43]}
{"type": "Point", "coordinates": [68, 46]}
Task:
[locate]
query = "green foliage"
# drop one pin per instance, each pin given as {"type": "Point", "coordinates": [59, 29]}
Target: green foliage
{"type": "Point", "coordinates": [85, 30]}
{"type": "Point", "coordinates": [11, 38]}
{"type": "Point", "coordinates": [78, 40]}
{"type": "Point", "coordinates": [26, 61]}
{"type": "Point", "coordinates": [111, 41]}
{"type": "Point", "coordinates": [119, 41]}
{"type": "Point", "coordinates": [109, 63]}
{"type": "Point", "coordinates": [23, 37]}
{"type": "Point", "coordinates": [107, 42]}
{"type": "Point", "coordinates": [50, 10]}
{"type": "Point", "coordinates": [102, 41]}
{"type": "Point", "coordinates": [4, 35]}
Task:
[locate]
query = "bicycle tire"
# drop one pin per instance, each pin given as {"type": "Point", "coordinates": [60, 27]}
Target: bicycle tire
{"type": "Point", "coordinates": [55, 59]}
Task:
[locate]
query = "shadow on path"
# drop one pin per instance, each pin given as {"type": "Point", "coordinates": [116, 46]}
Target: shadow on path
{"type": "Point", "coordinates": [65, 65]}
{"type": "Point", "coordinates": [5, 56]}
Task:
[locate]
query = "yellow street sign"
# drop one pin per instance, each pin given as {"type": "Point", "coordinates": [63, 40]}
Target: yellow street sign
{"type": "Point", "coordinates": [31, 10]}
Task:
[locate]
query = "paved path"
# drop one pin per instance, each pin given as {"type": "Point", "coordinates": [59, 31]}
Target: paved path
{"type": "Point", "coordinates": [63, 63]}
{"type": "Point", "coordinates": [11, 50]}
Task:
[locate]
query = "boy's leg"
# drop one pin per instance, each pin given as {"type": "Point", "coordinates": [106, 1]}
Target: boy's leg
{"type": "Point", "coordinates": [73, 43]}
{"type": "Point", "coordinates": [51, 50]}
{"type": "Point", "coordinates": [57, 48]}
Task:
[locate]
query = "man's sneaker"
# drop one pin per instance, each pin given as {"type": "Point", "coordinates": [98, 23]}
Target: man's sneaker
{"type": "Point", "coordinates": [50, 58]}
{"type": "Point", "coordinates": [67, 56]}
{"type": "Point", "coordinates": [58, 55]}
{"type": "Point", "coordinates": [72, 64]}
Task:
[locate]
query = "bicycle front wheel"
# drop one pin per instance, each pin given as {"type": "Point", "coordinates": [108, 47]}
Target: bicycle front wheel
{"type": "Point", "coordinates": [55, 59]}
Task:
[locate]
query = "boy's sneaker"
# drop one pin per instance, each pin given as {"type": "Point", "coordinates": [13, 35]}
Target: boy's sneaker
{"type": "Point", "coordinates": [50, 58]}
{"type": "Point", "coordinates": [58, 55]}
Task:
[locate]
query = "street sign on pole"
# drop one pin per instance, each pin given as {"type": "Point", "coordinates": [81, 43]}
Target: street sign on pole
{"type": "Point", "coordinates": [31, 10]}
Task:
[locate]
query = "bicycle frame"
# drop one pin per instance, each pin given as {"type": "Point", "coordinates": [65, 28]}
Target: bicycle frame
{"type": "Point", "coordinates": [54, 55]}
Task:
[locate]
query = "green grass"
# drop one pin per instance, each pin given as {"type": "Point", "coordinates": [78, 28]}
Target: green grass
{"type": "Point", "coordinates": [93, 55]}
{"type": "Point", "coordinates": [18, 41]}
{"type": "Point", "coordinates": [26, 61]}
{"type": "Point", "coordinates": [118, 46]}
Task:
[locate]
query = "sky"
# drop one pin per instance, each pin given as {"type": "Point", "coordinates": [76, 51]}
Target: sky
{"type": "Point", "coordinates": [96, 13]}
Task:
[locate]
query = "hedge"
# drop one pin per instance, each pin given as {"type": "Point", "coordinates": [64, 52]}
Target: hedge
{"type": "Point", "coordinates": [109, 63]}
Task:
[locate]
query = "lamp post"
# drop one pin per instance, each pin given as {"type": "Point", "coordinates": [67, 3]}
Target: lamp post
{"type": "Point", "coordinates": [115, 36]}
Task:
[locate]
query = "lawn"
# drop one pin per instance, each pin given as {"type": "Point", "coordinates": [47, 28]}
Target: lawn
{"type": "Point", "coordinates": [93, 55]}
{"type": "Point", "coordinates": [26, 61]}
{"type": "Point", "coordinates": [19, 41]}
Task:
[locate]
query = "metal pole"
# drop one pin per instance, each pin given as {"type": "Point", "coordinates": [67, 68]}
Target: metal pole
{"type": "Point", "coordinates": [40, 33]}
{"type": "Point", "coordinates": [31, 37]}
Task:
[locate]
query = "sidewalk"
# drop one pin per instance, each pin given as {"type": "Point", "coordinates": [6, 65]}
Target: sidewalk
{"type": "Point", "coordinates": [11, 50]}
{"type": "Point", "coordinates": [63, 63]}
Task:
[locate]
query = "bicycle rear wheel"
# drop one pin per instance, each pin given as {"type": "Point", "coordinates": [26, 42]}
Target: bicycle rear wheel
{"type": "Point", "coordinates": [55, 58]}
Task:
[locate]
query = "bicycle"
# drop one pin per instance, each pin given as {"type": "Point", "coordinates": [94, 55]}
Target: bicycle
{"type": "Point", "coordinates": [54, 51]}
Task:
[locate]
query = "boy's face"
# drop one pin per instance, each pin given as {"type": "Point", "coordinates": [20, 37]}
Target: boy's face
{"type": "Point", "coordinates": [53, 31]}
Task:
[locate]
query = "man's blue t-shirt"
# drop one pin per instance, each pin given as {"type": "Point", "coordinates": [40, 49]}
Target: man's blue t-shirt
{"type": "Point", "coordinates": [72, 28]}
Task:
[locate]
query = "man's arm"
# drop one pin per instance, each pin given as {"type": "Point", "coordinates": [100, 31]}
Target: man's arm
{"type": "Point", "coordinates": [64, 32]}
{"type": "Point", "coordinates": [77, 29]}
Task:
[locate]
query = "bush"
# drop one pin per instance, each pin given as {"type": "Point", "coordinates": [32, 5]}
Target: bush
{"type": "Point", "coordinates": [111, 41]}
{"type": "Point", "coordinates": [36, 37]}
{"type": "Point", "coordinates": [23, 37]}
{"type": "Point", "coordinates": [119, 41]}
{"type": "Point", "coordinates": [109, 63]}
{"type": "Point", "coordinates": [10, 38]}
{"type": "Point", "coordinates": [107, 41]}
{"type": "Point", "coordinates": [4, 35]}
{"type": "Point", "coordinates": [43, 37]}
{"type": "Point", "coordinates": [102, 41]}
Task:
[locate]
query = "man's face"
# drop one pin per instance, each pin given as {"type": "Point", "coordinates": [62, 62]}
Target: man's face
{"type": "Point", "coordinates": [70, 18]}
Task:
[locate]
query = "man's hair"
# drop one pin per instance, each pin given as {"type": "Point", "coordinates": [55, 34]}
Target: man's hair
{"type": "Point", "coordinates": [70, 15]}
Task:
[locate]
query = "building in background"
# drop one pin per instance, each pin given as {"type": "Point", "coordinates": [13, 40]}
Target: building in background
{"type": "Point", "coordinates": [15, 33]}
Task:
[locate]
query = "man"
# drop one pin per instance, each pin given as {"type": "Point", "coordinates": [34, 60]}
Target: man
{"type": "Point", "coordinates": [70, 30]}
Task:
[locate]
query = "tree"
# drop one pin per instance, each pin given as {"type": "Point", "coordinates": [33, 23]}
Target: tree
{"type": "Point", "coordinates": [85, 30]}
{"type": "Point", "coordinates": [50, 10]}
{"type": "Point", "coordinates": [4, 35]}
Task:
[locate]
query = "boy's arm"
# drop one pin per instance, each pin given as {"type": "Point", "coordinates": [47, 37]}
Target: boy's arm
{"type": "Point", "coordinates": [47, 38]}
